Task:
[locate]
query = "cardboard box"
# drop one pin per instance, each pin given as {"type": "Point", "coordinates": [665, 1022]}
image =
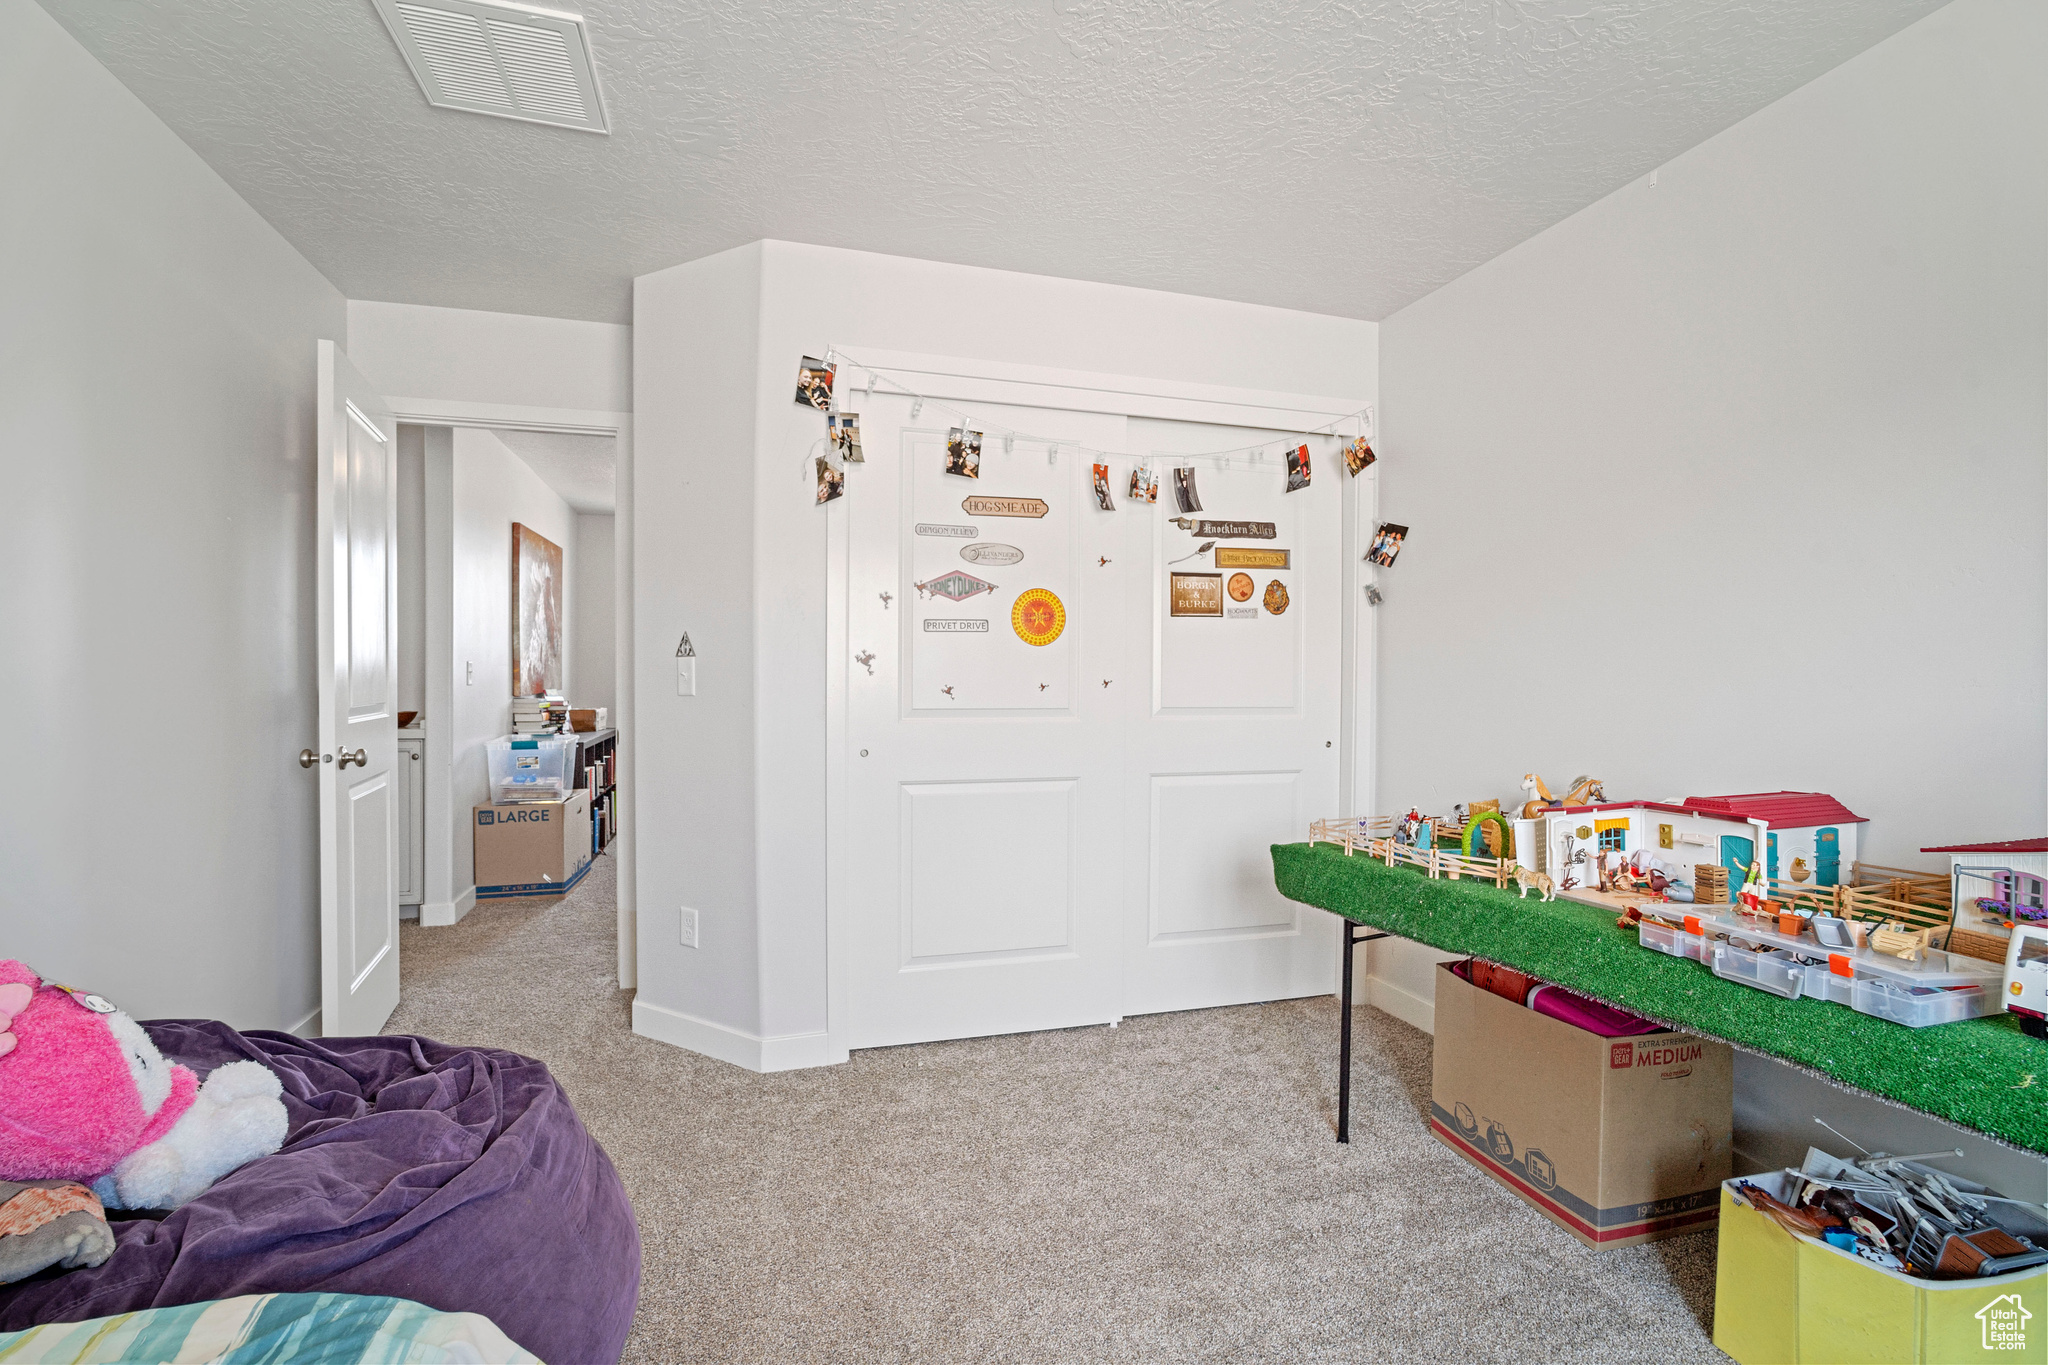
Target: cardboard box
{"type": "Point", "coordinates": [1616, 1140]}
{"type": "Point", "coordinates": [532, 848]}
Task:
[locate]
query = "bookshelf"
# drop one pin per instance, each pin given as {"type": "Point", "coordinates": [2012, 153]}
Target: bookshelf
{"type": "Point", "coordinates": [597, 773]}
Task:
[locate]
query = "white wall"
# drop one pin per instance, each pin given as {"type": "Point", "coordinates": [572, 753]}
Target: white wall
{"type": "Point", "coordinates": [1806, 366]}
{"type": "Point", "coordinates": [594, 665]}
{"type": "Point", "coordinates": [411, 451]}
{"type": "Point", "coordinates": [691, 532]}
{"type": "Point", "coordinates": [156, 443]}
{"type": "Point", "coordinates": [492, 489]}
{"type": "Point", "coordinates": [732, 549]}
{"type": "Point", "coordinates": [415, 351]}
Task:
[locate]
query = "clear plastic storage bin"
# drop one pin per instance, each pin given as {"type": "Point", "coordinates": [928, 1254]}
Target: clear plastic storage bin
{"type": "Point", "coordinates": [1773, 971]}
{"type": "Point", "coordinates": [530, 767]}
{"type": "Point", "coordinates": [1902, 1006]}
{"type": "Point", "coordinates": [1823, 984]}
{"type": "Point", "coordinates": [1668, 939]}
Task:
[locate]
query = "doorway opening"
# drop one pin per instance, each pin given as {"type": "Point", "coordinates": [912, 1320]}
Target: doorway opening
{"type": "Point", "coordinates": [507, 628]}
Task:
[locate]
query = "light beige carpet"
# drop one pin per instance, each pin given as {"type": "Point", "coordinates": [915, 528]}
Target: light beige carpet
{"type": "Point", "coordinates": [1169, 1190]}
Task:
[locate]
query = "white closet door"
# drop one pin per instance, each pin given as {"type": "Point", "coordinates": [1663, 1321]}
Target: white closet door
{"type": "Point", "coordinates": [984, 769]}
{"type": "Point", "coordinates": [1048, 835]}
{"type": "Point", "coordinates": [1235, 746]}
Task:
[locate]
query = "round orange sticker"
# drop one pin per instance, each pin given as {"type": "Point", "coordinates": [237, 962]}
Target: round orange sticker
{"type": "Point", "coordinates": [1240, 587]}
{"type": "Point", "coordinates": [1038, 618]}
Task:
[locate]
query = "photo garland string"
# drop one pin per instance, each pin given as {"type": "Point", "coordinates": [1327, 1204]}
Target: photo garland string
{"type": "Point", "coordinates": [840, 446]}
{"type": "Point", "coordinates": [816, 380]}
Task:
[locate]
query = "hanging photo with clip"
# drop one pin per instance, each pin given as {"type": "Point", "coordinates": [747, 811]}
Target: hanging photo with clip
{"type": "Point", "coordinates": [814, 383]}
{"type": "Point", "coordinates": [1184, 495]}
{"type": "Point", "coordinates": [963, 453]}
{"type": "Point", "coordinates": [844, 429]}
{"type": "Point", "coordinates": [1387, 544]}
{"type": "Point", "coordinates": [1102, 498]}
{"type": "Point", "coordinates": [1144, 484]}
{"type": "Point", "coordinates": [831, 481]}
{"type": "Point", "coordinates": [1357, 455]}
{"type": "Point", "coordinates": [1297, 467]}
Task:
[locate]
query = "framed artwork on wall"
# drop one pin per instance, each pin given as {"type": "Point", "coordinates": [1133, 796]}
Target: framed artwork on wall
{"type": "Point", "coordinates": [536, 613]}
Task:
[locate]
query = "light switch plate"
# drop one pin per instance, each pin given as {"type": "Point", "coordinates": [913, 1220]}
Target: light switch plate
{"type": "Point", "coordinates": [689, 927]}
{"type": "Point", "coordinates": [686, 677]}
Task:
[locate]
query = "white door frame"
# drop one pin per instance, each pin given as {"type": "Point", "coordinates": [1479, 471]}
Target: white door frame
{"type": "Point", "coordinates": [953, 379]}
{"type": "Point", "coordinates": [436, 412]}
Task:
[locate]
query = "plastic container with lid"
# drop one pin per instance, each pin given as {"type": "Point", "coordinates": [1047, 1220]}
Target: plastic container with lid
{"type": "Point", "coordinates": [1921, 1007]}
{"type": "Point", "coordinates": [530, 767]}
{"type": "Point", "coordinates": [1772, 970]}
{"type": "Point", "coordinates": [1664, 938]}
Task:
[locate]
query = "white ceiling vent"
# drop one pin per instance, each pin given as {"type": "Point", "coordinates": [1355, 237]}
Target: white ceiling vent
{"type": "Point", "coordinates": [514, 61]}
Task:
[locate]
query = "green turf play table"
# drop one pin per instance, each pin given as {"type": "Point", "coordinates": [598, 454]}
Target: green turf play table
{"type": "Point", "coordinates": [1981, 1073]}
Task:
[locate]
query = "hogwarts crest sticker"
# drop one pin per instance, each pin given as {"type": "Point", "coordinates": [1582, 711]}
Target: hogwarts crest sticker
{"type": "Point", "coordinates": [1038, 617]}
{"type": "Point", "coordinates": [1276, 597]}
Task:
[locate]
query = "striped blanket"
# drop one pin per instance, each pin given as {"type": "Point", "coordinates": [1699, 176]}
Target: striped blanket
{"type": "Point", "coordinates": [330, 1329]}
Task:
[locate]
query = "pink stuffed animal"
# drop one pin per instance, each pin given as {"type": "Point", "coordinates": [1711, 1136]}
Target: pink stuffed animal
{"type": "Point", "coordinates": [85, 1095]}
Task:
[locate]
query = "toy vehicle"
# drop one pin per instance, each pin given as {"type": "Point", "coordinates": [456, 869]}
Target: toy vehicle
{"type": "Point", "coordinates": [2026, 978]}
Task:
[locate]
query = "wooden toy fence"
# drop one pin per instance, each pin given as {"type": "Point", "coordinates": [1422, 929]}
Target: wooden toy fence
{"type": "Point", "coordinates": [1352, 831]}
{"type": "Point", "coordinates": [1374, 834]}
{"type": "Point", "coordinates": [1919, 900]}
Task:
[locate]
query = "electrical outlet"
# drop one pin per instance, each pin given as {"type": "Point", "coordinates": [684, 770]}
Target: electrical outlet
{"type": "Point", "coordinates": [689, 927]}
{"type": "Point", "coordinates": [469, 675]}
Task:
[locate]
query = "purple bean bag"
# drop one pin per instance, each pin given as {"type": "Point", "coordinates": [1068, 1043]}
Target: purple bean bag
{"type": "Point", "coordinates": [457, 1177]}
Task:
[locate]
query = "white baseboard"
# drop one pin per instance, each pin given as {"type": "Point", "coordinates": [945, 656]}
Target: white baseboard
{"type": "Point", "coordinates": [790, 1052]}
{"type": "Point", "coordinates": [795, 1051]}
{"type": "Point", "coordinates": [308, 1027]}
{"type": "Point", "coordinates": [1402, 1003]}
{"type": "Point", "coordinates": [441, 914]}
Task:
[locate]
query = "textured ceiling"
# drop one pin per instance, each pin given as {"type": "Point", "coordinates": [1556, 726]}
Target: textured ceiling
{"type": "Point", "coordinates": [583, 470]}
{"type": "Point", "coordinates": [1340, 156]}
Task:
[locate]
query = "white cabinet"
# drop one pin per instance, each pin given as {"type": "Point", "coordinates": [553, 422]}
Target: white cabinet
{"type": "Point", "coordinates": [411, 785]}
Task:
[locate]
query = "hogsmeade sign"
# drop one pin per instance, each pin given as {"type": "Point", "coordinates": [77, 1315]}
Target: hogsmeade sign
{"type": "Point", "coordinates": [1627, 1055]}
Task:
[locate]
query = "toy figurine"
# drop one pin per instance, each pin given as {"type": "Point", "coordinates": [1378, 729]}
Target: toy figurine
{"type": "Point", "coordinates": [1752, 897]}
{"type": "Point", "coordinates": [1525, 877]}
{"type": "Point", "coordinates": [1586, 791]}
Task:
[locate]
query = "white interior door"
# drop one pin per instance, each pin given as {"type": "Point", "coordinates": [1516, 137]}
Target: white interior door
{"type": "Point", "coordinates": [982, 768]}
{"type": "Point", "coordinates": [1049, 835]}
{"type": "Point", "coordinates": [357, 598]}
{"type": "Point", "coordinates": [1233, 747]}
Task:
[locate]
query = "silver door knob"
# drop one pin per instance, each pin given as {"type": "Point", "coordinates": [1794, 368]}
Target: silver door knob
{"type": "Point", "coordinates": [307, 758]}
{"type": "Point", "coordinates": [359, 758]}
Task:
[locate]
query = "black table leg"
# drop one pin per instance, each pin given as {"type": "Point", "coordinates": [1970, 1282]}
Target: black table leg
{"type": "Point", "coordinates": [1352, 938]}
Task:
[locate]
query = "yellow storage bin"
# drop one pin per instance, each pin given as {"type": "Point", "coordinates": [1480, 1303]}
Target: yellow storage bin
{"type": "Point", "coordinates": [1781, 1299]}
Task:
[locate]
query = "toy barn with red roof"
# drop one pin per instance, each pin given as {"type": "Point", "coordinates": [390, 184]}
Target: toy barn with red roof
{"type": "Point", "coordinates": [1807, 838]}
{"type": "Point", "coordinates": [1993, 885]}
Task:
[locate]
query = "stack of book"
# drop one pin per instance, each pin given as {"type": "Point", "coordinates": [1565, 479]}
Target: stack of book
{"type": "Point", "coordinates": [539, 715]}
